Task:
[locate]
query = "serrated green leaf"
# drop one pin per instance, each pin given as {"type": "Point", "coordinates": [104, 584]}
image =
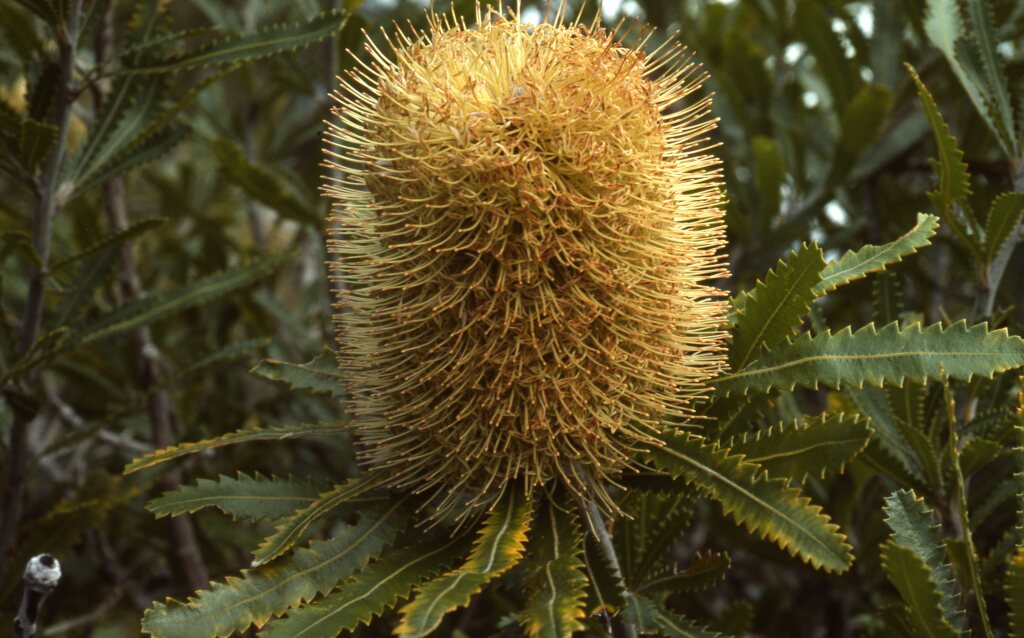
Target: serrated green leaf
{"type": "Point", "coordinates": [373, 590]}
{"type": "Point", "coordinates": [149, 309]}
{"type": "Point", "coordinates": [263, 185]}
{"type": "Point", "coordinates": [854, 265]}
{"type": "Point", "coordinates": [229, 352]}
{"type": "Point", "coordinates": [150, 147]}
{"type": "Point", "coordinates": [319, 376]}
{"type": "Point", "coordinates": [278, 433]}
{"type": "Point", "coordinates": [35, 139]}
{"type": "Point", "coordinates": [765, 506]}
{"type": "Point", "coordinates": [255, 596]}
{"type": "Point", "coordinates": [879, 357]}
{"type": "Point", "coordinates": [1004, 220]}
{"type": "Point", "coordinates": [1015, 593]}
{"type": "Point", "coordinates": [814, 446]}
{"type": "Point", "coordinates": [87, 279]}
{"type": "Point", "coordinates": [291, 529]}
{"type": "Point", "coordinates": [125, 117]}
{"type": "Point", "coordinates": [915, 529]}
{"type": "Point", "coordinates": [282, 38]}
{"type": "Point", "coordinates": [498, 548]}
{"type": "Point", "coordinates": [651, 618]}
{"type": "Point", "coordinates": [110, 240]}
{"type": "Point", "coordinates": [248, 497]}
{"type": "Point", "coordinates": [706, 570]}
{"type": "Point", "coordinates": [554, 566]}
{"type": "Point", "coordinates": [655, 521]}
{"type": "Point", "coordinates": [604, 587]}
{"type": "Point", "coordinates": [860, 125]}
{"type": "Point", "coordinates": [887, 297]}
{"type": "Point", "coordinates": [775, 307]}
{"type": "Point", "coordinates": [912, 579]}
{"type": "Point", "coordinates": [954, 180]}
{"type": "Point", "coordinates": [873, 404]}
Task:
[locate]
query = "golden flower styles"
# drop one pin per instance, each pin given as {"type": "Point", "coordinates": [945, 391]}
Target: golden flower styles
{"type": "Point", "coordinates": [526, 223]}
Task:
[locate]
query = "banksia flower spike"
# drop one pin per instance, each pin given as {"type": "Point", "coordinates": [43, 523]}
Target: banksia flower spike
{"type": "Point", "coordinates": [526, 224]}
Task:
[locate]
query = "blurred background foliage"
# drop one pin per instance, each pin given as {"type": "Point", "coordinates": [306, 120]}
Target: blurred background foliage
{"type": "Point", "coordinates": [188, 245]}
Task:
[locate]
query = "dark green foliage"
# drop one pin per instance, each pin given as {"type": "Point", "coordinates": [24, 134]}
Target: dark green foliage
{"type": "Point", "coordinates": [869, 425]}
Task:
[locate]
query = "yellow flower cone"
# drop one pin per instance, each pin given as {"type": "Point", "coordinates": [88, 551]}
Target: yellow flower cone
{"type": "Point", "coordinates": [526, 222]}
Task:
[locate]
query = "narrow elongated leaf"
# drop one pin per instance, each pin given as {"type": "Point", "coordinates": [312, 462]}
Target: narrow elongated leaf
{"type": "Point", "coordinates": [1004, 220]}
{"type": "Point", "coordinates": [1015, 592]}
{"type": "Point", "coordinates": [319, 376]}
{"type": "Point", "coordinates": [150, 147]}
{"type": "Point", "coordinates": [650, 618]}
{"type": "Point", "coordinates": [861, 123]}
{"type": "Point", "coordinates": [775, 307]}
{"type": "Point", "coordinates": [855, 265]}
{"type": "Point", "coordinates": [880, 357]}
{"type": "Point", "coordinates": [954, 180]}
{"type": "Point", "coordinates": [278, 433]}
{"type": "Point", "coordinates": [767, 507]}
{"type": "Point", "coordinates": [769, 175]}
{"type": "Point", "coordinates": [705, 570]}
{"type": "Point", "coordinates": [275, 40]}
{"type": "Point", "coordinates": [255, 596]}
{"type": "Point", "coordinates": [993, 78]}
{"type": "Point", "coordinates": [604, 587]}
{"type": "Point", "coordinates": [149, 309]}
{"type": "Point", "coordinates": [498, 548]}
{"type": "Point", "coordinates": [815, 446]}
{"type": "Point", "coordinates": [915, 529]}
{"type": "Point", "coordinates": [110, 240]}
{"type": "Point", "coordinates": [554, 564]}
{"type": "Point", "coordinates": [249, 497]}
{"type": "Point", "coordinates": [290, 530]}
{"type": "Point", "coordinates": [35, 139]}
{"type": "Point", "coordinates": [656, 520]}
{"type": "Point", "coordinates": [373, 590]}
{"type": "Point", "coordinates": [913, 580]}
{"type": "Point", "coordinates": [873, 404]}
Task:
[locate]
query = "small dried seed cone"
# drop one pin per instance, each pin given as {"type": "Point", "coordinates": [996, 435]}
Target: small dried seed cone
{"type": "Point", "coordinates": [525, 225]}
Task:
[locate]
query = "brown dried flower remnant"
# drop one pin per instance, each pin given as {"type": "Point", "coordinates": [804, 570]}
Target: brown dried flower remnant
{"type": "Point", "coordinates": [526, 222]}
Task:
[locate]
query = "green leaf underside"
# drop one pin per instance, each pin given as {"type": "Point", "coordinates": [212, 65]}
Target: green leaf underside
{"type": "Point", "coordinates": [498, 548]}
{"type": "Point", "coordinates": [147, 310]}
{"type": "Point", "coordinates": [291, 529]}
{"type": "Point", "coordinates": [855, 265]}
{"type": "Point", "coordinates": [1004, 218]}
{"type": "Point", "coordinates": [912, 579]}
{"type": "Point", "coordinates": [319, 376]}
{"type": "Point", "coordinates": [775, 307]}
{"type": "Point", "coordinates": [915, 529]}
{"type": "Point", "coordinates": [879, 357]}
{"type": "Point", "coordinates": [1015, 592]}
{"type": "Point", "coordinates": [707, 569]}
{"type": "Point", "coordinates": [255, 596]}
{"type": "Point", "coordinates": [378, 587]}
{"type": "Point", "coordinates": [604, 587]}
{"type": "Point", "coordinates": [651, 618]}
{"type": "Point", "coordinates": [767, 507]}
{"type": "Point", "coordinates": [278, 433]}
{"type": "Point", "coordinates": [554, 564]}
{"type": "Point", "coordinates": [249, 47]}
{"type": "Point", "coordinates": [814, 446]}
{"type": "Point", "coordinates": [247, 497]}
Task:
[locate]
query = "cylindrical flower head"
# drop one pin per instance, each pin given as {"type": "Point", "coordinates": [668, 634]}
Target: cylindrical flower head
{"type": "Point", "coordinates": [525, 227]}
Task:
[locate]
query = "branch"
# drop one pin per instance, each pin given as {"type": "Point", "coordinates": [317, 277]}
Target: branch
{"type": "Point", "coordinates": [42, 573]}
{"type": "Point", "coordinates": [159, 406]}
{"type": "Point", "coordinates": [49, 203]}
